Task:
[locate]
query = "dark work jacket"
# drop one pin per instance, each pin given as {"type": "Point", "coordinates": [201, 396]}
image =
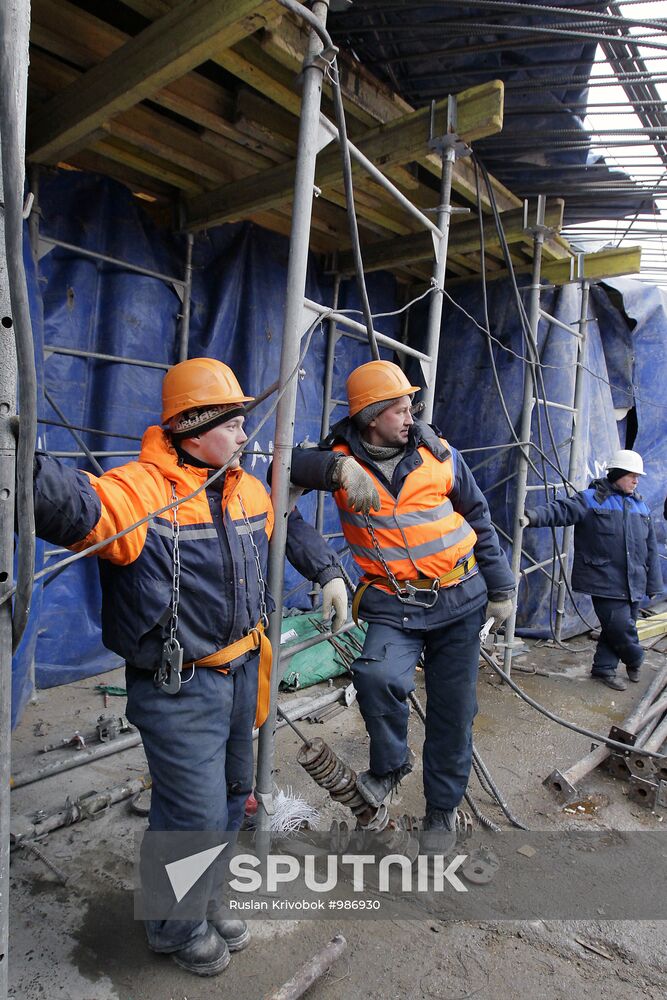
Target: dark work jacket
{"type": "Point", "coordinates": [615, 548]}
{"type": "Point", "coordinates": [219, 585]}
{"type": "Point", "coordinates": [312, 468]}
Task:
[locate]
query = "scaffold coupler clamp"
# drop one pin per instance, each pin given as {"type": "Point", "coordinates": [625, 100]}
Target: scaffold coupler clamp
{"type": "Point", "coordinates": [448, 141]}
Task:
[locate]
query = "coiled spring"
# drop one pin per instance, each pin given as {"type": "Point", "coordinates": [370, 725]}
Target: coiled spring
{"type": "Point", "coordinates": [329, 771]}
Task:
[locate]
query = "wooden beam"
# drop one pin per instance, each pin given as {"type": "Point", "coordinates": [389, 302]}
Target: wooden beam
{"type": "Point", "coordinates": [139, 183]}
{"type": "Point", "coordinates": [163, 52]}
{"type": "Point", "coordinates": [392, 143]}
{"type": "Point", "coordinates": [612, 263]}
{"type": "Point", "coordinates": [463, 238]}
{"type": "Point", "coordinates": [154, 166]}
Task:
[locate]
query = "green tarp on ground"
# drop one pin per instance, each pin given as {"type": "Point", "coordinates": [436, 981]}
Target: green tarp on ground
{"type": "Point", "coordinates": [318, 663]}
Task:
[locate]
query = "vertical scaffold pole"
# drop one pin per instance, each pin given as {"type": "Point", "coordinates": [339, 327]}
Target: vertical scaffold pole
{"type": "Point", "coordinates": [576, 443]}
{"type": "Point", "coordinates": [446, 146]}
{"type": "Point", "coordinates": [524, 434]}
{"type": "Point", "coordinates": [284, 434]}
{"type": "Point", "coordinates": [14, 31]}
{"type": "Point", "coordinates": [184, 331]}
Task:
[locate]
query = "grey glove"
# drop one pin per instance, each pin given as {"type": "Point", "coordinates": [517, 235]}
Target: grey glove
{"type": "Point", "coordinates": [360, 488]}
{"type": "Point", "coordinates": [499, 611]}
{"type": "Point", "coordinates": [334, 597]}
{"type": "Point", "coordinates": [524, 521]}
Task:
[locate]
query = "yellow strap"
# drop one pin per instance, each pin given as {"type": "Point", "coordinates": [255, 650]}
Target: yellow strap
{"type": "Point", "coordinates": [420, 584]}
{"type": "Point", "coordinates": [256, 639]}
{"type": "Point", "coordinates": [359, 593]}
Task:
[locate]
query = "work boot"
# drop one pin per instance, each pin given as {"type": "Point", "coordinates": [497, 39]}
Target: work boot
{"type": "Point", "coordinates": [207, 955]}
{"type": "Point", "coordinates": [633, 674]}
{"type": "Point", "coordinates": [439, 831]}
{"type": "Point", "coordinates": [611, 681]}
{"type": "Point", "coordinates": [376, 787]}
{"type": "Point", "coordinates": [234, 932]}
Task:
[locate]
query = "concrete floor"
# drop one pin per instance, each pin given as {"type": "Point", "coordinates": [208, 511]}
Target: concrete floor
{"type": "Point", "coordinates": [79, 941]}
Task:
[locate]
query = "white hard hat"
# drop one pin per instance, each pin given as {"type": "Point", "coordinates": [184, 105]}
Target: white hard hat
{"type": "Point", "coordinates": [629, 461]}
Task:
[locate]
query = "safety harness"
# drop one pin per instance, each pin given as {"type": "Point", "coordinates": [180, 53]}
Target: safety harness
{"type": "Point", "coordinates": [168, 676]}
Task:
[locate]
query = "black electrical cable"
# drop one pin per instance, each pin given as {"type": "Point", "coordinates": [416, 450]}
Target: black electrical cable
{"type": "Point", "coordinates": [612, 744]}
{"type": "Point", "coordinates": [12, 174]}
{"type": "Point", "coordinates": [351, 213]}
{"type": "Point", "coordinates": [312, 21]}
{"type": "Point", "coordinates": [528, 340]}
{"type": "Point", "coordinates": [216, 475]}
{"type": "Point", "coordinates": [75, 434]}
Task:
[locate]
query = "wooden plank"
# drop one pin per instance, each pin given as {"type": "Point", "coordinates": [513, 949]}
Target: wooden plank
{"type": "Point", "coordinates": [84, 40]}
{"type": "Point", "coordinates": [178, 145]}
{"type": "Point", "coordinates": [163, 52]}
{"type": "Point", "coordinates": [153, 166]}
{"type": "Point", "coordinates": [613, 263]}
{"type": "Point", "coordinates": [648, 628]}
{"type": "Point", "coordinates": [140, 184]}
{"type": "Point", "coordinates": [365, 98]}
{"type": "Point", "coordinates": [148, 130]}
{"type": "Point", "coordinates": [395, 142]}
{"type": "Point", "coordinates": [463, 238]}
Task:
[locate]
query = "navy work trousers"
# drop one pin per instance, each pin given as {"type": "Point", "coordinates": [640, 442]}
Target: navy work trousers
{"type": "Point", "coordinates": [198, 745]}
{"type": "Point", "coordinates": [618, 635]}
{"type": "Point", "coordinates": [384, 676]}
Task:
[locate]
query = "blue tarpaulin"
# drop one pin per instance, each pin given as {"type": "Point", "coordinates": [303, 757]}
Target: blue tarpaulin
{"type": "Point", "coordinates": [238, 295]}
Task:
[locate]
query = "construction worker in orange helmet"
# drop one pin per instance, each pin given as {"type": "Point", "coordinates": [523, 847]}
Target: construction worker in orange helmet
{"type": "Point", "coordinates": [197, 658]}
{"type": "Point", "coordinates": [432, 570]}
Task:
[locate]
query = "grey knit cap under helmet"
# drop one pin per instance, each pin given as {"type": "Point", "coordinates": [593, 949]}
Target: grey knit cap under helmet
{"type": "Point", "coordinates": [363, 418]}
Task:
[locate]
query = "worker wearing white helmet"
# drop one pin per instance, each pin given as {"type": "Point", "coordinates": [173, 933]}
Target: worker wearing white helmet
{"type": "Point", "coordinates": [615, 559]}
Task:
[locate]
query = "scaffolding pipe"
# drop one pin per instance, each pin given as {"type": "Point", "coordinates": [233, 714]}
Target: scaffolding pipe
{"type": "Point", "coordinates": [357, 331]}
{"type": "Point", "coordinates": [524, 433]}
{"type": "Point", "coordinates": [14, 31]}
{"type": "Point", "coordinates": [448, 155]}
{"type": "Point", "coordinates": [184, 332]}
{"type": "Point", "coordinates": [124, 264]}
{"type": "Point", "coordinates": [289, 358]}
{"type": "Point", "coordinates": [383, 181]}
{"type": "Point", "coordinates": [77, 758]}
{"type": "Point", "coordinates": [77, 353]}
{"type": "Point", "coordinates": [575, 452]}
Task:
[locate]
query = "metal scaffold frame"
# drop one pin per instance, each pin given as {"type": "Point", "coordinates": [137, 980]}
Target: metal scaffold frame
{"type": "Point", "coordinates": [315, 132]}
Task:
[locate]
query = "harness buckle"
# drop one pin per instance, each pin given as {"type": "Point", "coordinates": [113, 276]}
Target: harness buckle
{"type": "Point", "coordinates": [419, 597]}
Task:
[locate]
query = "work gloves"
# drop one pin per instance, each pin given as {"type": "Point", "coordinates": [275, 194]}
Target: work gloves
{"type": "Point", "coordinates": [334, 597]}
{"type": "Point", "coordinates": [525, 520]}
{"type": "Point", "coordinates": [499, 611]}
{"type": "Point", "coordinates": [359, 486]}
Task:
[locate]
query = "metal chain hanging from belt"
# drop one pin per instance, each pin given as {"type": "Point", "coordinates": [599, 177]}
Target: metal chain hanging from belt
{"type": "Point", "coordinates": [168, 676]}
{"type": "Point", "coordinates": [176, 567]}
{"type": "Point", "coordinates": [263, 617]}
{"type": "Point", "coordinates": [407, 594]}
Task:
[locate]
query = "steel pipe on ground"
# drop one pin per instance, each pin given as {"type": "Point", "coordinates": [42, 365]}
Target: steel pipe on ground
{"type": "Point", "coordinates": [564, 783]}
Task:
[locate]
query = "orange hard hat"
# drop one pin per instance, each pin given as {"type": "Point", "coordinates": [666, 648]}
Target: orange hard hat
{"type": "Point", "coordinates": [376, 382]}
{"type": "Point", "coordinates": [199, 382]}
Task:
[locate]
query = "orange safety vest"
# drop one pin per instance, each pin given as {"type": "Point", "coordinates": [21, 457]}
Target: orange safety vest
{"type": "Point", "coordinates": [419, 533]}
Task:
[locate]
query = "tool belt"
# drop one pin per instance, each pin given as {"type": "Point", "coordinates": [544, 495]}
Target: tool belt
{"type": "Point", "coordinates": [255, 639]}
{"type": "Point", "coordinates": [407, 594]}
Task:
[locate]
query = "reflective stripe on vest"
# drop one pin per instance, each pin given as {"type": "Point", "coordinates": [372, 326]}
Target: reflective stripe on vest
{"type": "Point", "coordinates": [419, 533]}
